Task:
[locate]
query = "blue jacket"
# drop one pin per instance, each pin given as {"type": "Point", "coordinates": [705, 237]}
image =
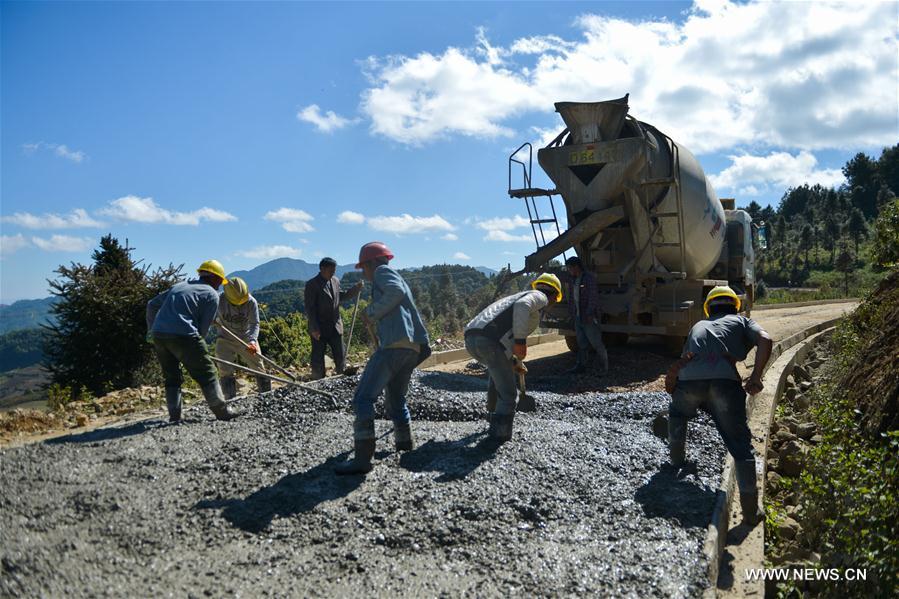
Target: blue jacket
{"type": "Point", "coordinates": [187, 310]}
{"type": "Point", "coordinates": [393, 308]}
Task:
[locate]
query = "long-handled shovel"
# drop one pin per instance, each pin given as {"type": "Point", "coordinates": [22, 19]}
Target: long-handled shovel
{"type": "Point", "coordinates": [277, 378]}
{"type": "Point", "coordinates": [526, 403]}
{"type": "Point", "coordinates": [246, 345]}
{"type": "Point", "coordinates": [350, 370]}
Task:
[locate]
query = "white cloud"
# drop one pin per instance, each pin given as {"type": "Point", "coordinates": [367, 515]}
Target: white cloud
{"type": "Point", "coordinates": [145, 210]}
{"type": "Point", "coordinates": [497, 235]}
{"type": "Point", "coordinates": [503, 223]}
{"type": "Point", "coordinates": [784, 74]}
{"type": "Point", "coordinates": [269, 252]}
{"type": "Point", "coordinates": [461, 256]}
{"type": "Point", "coordinates": [10, 244]}
{"type": "Point", "coordinates": [292, 219]}
{"type": "Point", "coordinates": [449, 237]}
{"type": "Point", "coordinates": [406, 223]}
{"type": "Point", "coordinates": [78, 218]}
{"type": "Point", "coordinates": [60, 150]}
{"type": "Point", "coordinates": [751, 175]}
{"type": "Point", "coordinates": [350, 217]}
{"type": "Point", "coordinates": [63, 243]}
{"type": "Point", "coordinates": [325, 123]}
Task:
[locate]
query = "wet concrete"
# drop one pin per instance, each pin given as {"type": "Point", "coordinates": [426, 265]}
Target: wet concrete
{"type": "Point", "coordinates": [577, 503]}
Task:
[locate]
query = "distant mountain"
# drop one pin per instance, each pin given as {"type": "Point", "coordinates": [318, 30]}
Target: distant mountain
{"type": "Point", "coordinates": [25, 314]}
{"type": "Point", "coordinates": [489, 272]}
{"type": "Point", "coordinates": [281, 269]}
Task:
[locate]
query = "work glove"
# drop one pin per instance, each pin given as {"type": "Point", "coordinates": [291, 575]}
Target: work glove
{"type": "Point", "coordinates": [253, 347]}
{"type": "Point", "coordinates": [149, 337]}
{"type": "Point", "coordinates": [671, 375]}
{"type": "Point", "coordinates": [520, 350]}
{"type": "Point", "coordinates": [316, 335]}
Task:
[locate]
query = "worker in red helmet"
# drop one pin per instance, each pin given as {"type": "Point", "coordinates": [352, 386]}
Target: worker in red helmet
{"type": "Point", "coordinates": [402, 345]}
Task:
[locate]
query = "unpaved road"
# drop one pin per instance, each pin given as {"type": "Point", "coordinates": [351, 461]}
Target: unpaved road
{"type": "Point", "coordinates": [578, 502]}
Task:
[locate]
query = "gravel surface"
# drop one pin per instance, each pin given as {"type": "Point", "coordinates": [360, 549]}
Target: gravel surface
{"type": "Point", "coordinates": [577, 503]}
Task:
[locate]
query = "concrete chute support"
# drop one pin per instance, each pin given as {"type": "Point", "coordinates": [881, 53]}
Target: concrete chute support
{"type": "Point", "coordinates": [644, 219]}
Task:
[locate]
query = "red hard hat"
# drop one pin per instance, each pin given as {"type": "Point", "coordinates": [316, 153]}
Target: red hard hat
{"type": "Point", "coordinates": [372, 250]}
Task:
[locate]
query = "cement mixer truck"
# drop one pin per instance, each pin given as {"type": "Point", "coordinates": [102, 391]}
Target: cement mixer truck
{"type": "Point", "coordinates": [642, 217]}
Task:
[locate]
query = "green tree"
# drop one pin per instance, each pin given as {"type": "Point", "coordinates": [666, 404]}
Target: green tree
{"type": "Point", "coordinates": [806, 237]}
{"type": "Point", "coordinates": [845, 264]}
{"type": "Point", "coordinates": [857, 227]}
{"type": "Point", "coordinates": [97, 341]}
{"type": "Point", "coordinates": [888, 168]}
{"type": "Point", "coordinates": [886, 236]}
{"type": "Point", "coordinates": [863, 182]}
{"type": "Point", "coordinates": [831, 235]}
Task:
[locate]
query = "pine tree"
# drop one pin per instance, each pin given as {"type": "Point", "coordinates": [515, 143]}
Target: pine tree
{"type": "Point", "coordinates": [98, 342]}
{"type": "Point", "coordinates": [856, 226]}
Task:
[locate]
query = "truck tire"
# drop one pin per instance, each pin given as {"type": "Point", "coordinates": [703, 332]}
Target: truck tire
{"type": "Point", "coordinates": [614, 339]}
{"type": "Point", "coordinates": [674, 344]}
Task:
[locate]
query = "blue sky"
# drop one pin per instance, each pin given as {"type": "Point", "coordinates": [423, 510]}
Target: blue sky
{"type": "Point", "coordinates": [249, 131]}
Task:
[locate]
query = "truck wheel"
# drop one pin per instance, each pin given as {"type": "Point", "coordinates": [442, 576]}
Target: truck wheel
{"type": "Point", "coordinates": [614, 339]}
{"type": "Point", "coordinates": [571, 342]}
{"type": "Point", "coordinates": [674, 344]}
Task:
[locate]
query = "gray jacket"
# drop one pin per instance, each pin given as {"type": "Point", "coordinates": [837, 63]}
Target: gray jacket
{"type": "Point", "coordinates": [243, 320]}
{"type": "Point", "coordinates": [511, 319]}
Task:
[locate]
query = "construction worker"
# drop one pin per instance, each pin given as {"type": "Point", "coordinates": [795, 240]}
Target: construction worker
{"type": "Point", "coordinates": [706, 377]}
{"type": "Point", "coordinates": [583, 308]}
{"type": "Point", "coordinates": [402, 344]}
{"type": "Point", "coordinates": [178, 320]}
{"type": "Point", "coordinates": [322, 298]}
{"type": "Point", "coordinates": [239, 315]}
{"type": "Point", "coordinates": [497, 338]}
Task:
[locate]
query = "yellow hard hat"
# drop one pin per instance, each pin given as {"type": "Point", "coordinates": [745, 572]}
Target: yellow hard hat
{"type": "Point", "coordinates": [237, 292]}
{"type": "Point", "coordinates": [720, 291]}
{"type": "Point", "coordinates": [551, 280]}
{"type": "Point", "coordinates": [214, 267]}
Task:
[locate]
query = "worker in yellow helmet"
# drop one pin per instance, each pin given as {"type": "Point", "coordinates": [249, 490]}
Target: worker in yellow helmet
{"type": "Point", "coordinates": [238, 315]}
{"type": "Point", "coordinates": [177, 323]}
{"type": "Point", "coordinates": [497, 338]}
{"type": "Point", "coordinates": [706, 378]}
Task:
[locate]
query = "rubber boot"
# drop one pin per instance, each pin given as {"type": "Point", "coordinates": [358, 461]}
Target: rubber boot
{"type": "Point", "coordinates": [216, 400]}
{"type": "Point", "coordinates": [602, 362]}
{"type": "Point", "coordinates": [500, 427]}
{"type": "Point", "coordinates": [229, 387]}
{"type": "Point", "coordinates": [173, 402]}
{"type": "Point", "coordinates": [492, 396]}
{"type": "Point", "coordinates": [363, 449]}
{"type": "Point", "coordinates": [402, 436]}
{"type": "Point", "coordinates": [263, 385]}
{"type": "Point", "coordinates": [749, 495]}
{"type": "Point", "coordinates": [677, 440]}
{"type": "Point", "coordinates": [580, 367]}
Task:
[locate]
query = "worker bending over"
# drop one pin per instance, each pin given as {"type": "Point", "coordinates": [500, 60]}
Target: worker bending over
{"type": "Point", "coordinates": [322, 297]}
{"type": "Point", "coordinates": [706, 377]}
{"type": "Point", "coordinates": [178, 320]}
{"type": "Point", "coordinates": [497, 338]}
{"type": "Point", "coordinates": [239, 314]}
{"type": "Point", "coordinates": [402, 344]}
{"type": "Point", "coordinates": [583, 308]}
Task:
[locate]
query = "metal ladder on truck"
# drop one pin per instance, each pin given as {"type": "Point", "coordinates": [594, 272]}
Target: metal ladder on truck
{"type": "Point", "coordinates": [655, 215]}
{"type": "Point", "coordinates": [530, 194]}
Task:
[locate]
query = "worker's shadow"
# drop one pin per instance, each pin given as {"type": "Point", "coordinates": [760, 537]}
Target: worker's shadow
{"type": "Point", "coordinates": [293, 494]}
{"type": "Point", "coordinates": [107, 434]}
{"type": "Point", "coordinates": [669, 495]}
{"type": "Point", "coordinates": [454, 459]}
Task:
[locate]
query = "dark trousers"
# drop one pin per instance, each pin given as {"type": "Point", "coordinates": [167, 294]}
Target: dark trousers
{"type": "Point", "coordinates": [317, 360]}
{"type": "Point", "coordinates": [172, 351]}
{"type": "Point", "coordinates": [725, 401]}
